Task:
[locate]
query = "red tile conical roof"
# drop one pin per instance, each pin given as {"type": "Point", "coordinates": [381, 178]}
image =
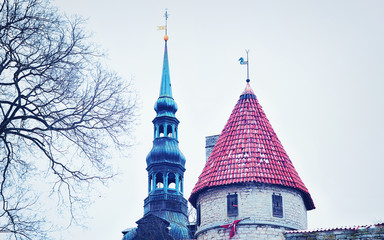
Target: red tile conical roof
{"type": "Point", "coordinates": [248, 150]}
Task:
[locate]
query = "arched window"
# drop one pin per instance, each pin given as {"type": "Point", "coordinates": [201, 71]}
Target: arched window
{"type": "Point", "coordinates": [159, 180]}
{"type": "Point", "coordinates": [161, 131]}
{"type": "Point", "coordinates": [169, 131]}
{"type": "Point", "coordinates": [171, 181]}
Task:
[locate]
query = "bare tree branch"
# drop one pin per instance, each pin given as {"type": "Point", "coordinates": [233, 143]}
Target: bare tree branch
{"type": "Point", "coordinates": [59, 110]}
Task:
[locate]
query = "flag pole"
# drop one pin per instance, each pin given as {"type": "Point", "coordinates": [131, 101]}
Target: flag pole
{"type": "Point", "coordinates": [247, 51]}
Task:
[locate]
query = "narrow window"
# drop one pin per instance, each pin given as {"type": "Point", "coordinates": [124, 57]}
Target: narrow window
{"type": "Point", "coordinates": [232, 207]}
{"type": "Point", "coordinates": [159, 180]}
{"type": "Point", "coordinates": [180, 184]}
{"type": "Point", "coordinates": [171, 181]}
{"type": "Point", "coordinates": [150, 183]}
{"type": "Point", "coordinates": [198, 213]}
{"type": "Point", "coordinates": [169, 131]}
{"type": "Point", "coordinates": [161, 131]}
{"type": "Point", "coordinates": [277, 205]}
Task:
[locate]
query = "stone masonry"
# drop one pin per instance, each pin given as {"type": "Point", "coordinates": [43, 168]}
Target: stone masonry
{"type": "Point", "coordinates": [254, 203]}
{"type": "Point", "coordinates": [210, 142]}
{"type": "Point", "coordinates": [247, 232]}
{"type": "Point", "coordinates": [373, 232]}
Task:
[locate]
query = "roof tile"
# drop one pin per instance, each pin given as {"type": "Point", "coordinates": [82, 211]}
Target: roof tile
{"type": "Point", "coordinates": [248, 150]}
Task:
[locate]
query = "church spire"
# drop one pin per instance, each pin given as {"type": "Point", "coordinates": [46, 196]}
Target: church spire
{"type": "Point", "coordinates": [165, 161]}
{"type": "Point", "coordinates": [165, 89]}
{"type": "Point", "coordinates": [165, 104]}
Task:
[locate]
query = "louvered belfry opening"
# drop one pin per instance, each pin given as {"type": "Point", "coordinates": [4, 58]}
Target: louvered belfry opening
{"type": "Point", "coordinates": [249, 151]}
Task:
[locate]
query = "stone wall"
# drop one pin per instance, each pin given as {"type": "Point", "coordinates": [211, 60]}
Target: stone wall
{"type": "Point", "coordinates": [210, 142]}
{"type": "Point", "coordinates": [254, 203]}
{"type": "Point", "coordinates": [248, 232]}
{"type": "Point", "coordinates": [365, 233]}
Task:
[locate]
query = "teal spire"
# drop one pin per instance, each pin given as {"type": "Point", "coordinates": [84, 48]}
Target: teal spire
{"type": "Point", "coordinates": [165, 166]}
{"type": "Point", "coordinates": [165, 89]}
{"type": "Point", "coordinates": [165, 104]}
{"type": "Point", "coordinates": [166, 163]}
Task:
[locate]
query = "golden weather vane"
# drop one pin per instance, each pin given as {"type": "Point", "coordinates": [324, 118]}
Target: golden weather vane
{"type": "Point", "coordinates": [165, 27]}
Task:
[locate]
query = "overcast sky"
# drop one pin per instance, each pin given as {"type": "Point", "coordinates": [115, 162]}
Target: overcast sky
{"type": "Point", "coordinates": [317, 68]}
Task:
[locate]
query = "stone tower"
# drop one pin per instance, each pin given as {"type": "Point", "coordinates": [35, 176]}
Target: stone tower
{"type": "Point", "coordinates": [165, 163]}
{"type": "Point", "coordinates": [249, 181]}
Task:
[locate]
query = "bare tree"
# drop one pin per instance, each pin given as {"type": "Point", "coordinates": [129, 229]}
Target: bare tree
{"type": "Point", "coordinates": [59, 110]}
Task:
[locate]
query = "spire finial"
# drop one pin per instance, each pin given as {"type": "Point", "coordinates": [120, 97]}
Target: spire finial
{"type": "Point", "coordinates": [166, 15]}
{"type": "Point", "coordinates": [242, 62]}
{"type": "Point", "coordinates": [165, 89]}
{"type": "Point", "coordinates": [165, 27]}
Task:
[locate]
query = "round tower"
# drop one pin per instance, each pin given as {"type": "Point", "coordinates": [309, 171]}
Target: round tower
{"type": "Point", "coordinates": [249, 188]}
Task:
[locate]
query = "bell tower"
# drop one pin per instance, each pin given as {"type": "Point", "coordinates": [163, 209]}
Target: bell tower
{"type": "Point", "coordinates": [166, 163]}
